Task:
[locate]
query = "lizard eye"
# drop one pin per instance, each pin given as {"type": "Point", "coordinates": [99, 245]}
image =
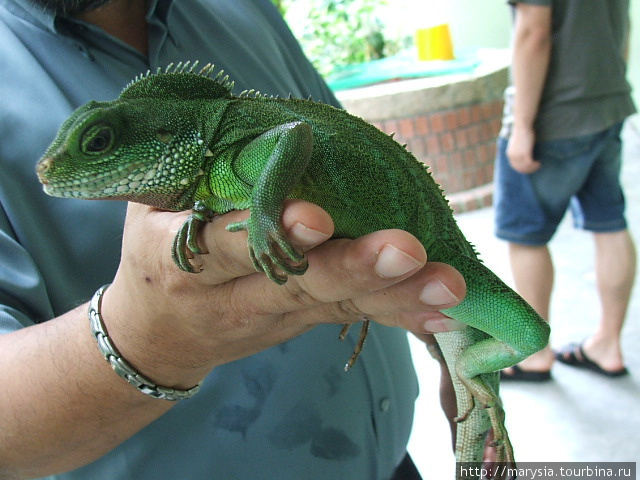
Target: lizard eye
{"type": "Point", "coordinates": [97, 139]}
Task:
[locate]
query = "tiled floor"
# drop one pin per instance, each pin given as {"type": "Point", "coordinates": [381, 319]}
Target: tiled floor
{"type": "Point", "coordinates": [579, 416]}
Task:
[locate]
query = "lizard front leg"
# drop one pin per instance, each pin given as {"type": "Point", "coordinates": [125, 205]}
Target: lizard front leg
{"type": "Point", "coordinates": [185, 243]}
{"type": "Point", "coordinates": [273, 163]}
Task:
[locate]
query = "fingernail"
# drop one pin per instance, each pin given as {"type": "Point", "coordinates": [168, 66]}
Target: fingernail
{"type": "Point", "coordinates": [444, 324]}
{"type": "Point", "coordinates": [392, 262]}
{"type": "Point", "coordinates": [436, 293]}
{"type": "Point", "coordinates": [308, 236]}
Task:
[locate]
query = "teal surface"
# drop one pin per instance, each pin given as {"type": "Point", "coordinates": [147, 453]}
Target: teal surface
{"type": "Point", "coordinates": [405, 65]}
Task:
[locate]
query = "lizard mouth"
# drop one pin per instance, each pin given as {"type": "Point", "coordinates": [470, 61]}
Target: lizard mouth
{"type": "Point", "coordinates": [42, 168]}
{"type": "Point", "coordinates": [118, 183]}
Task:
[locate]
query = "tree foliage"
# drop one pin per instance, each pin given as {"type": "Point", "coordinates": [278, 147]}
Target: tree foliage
{"type": "Point", "coordinates": [334, 33]}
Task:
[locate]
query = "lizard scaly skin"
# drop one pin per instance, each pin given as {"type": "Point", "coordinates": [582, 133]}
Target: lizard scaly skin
{"type": "Point", "coordinates": [178, 140]}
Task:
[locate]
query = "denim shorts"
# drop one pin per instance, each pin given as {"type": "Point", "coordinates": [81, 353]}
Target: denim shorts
{"type": "Point", "coordinates": [581, 173]}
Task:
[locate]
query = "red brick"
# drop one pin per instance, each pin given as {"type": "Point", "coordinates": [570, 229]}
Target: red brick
{"type": "Point", "coordinates": [464, 116]}
{"type": "Point", "coordinates": [488, 153]}
{"type": "Point", "coordinates": [437, 122]}
{"type": "Point", "coordinates": [487, 133]}
{"type": "Point", "coordinates": [470, 158]}
{"type": "Point", "coordinates": [407, 129]}
{"type": "Point", "coordinates": [476, 114]}
{"type": "Point", "coordinates": [481, 154]}
{"type": "Point", "coordinates": [461, 138]}
{"type": "Point", "coordinates": [451, 119]}
{"type": "Point", "coordinates": [496, 108]}
{"type": "Point", "coordinates": [473, 134]}
{"type": "Point", "coordinates": [422, 125]}
{"type": "Point", "coordinates": [456, 165]}
{"type": "Point", "coordinates": [447, 142]}
{"type": "Point", "coordinates": [479, 176]}
{"type": "Point", "coordinates": [433, 145]}
{"type": "Point", "coordinates": [468, 181]}
{"type": "Point", "coordinates": [441, 164]}
{"type": "Point", "coordinates": [486, 110]}
{"type": "Point", "coordinates": [454, 184]}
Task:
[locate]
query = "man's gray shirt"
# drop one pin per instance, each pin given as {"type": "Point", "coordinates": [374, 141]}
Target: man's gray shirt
{"type": "Point", "coordinates": [287, 413]}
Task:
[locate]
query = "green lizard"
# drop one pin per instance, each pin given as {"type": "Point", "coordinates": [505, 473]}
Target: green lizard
{"type": "Point", "coordinates": [179, 139]}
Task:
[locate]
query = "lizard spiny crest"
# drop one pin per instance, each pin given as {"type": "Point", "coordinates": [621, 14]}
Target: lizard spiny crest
{"type": "Point", "coordinates": [180, 82]}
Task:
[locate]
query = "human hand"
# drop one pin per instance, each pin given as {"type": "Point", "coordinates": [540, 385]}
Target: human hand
{"type": "Point", "coordinates": [520, 150]}
{"type": "Point", "coordinates": [175, 326]}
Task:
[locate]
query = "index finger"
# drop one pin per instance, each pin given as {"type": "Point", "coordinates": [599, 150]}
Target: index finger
{"type": "Point", "coordinates": [338, 270]}
{"type": "Point", "coordinates": [306, 224]}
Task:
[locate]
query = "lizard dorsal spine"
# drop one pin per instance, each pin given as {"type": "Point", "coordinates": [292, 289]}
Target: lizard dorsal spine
{"type": "Point", "coordinates": [180, 82]}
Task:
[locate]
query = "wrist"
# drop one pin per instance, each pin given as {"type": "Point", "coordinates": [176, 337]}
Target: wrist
{"type": "Point", "coordinates": [151, 340]}
{"type": "Point", "coordinates": [120, 365]}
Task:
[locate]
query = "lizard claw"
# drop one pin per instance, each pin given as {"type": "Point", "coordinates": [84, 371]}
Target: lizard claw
{"type": "Point", "coordinates": [471, 401]}
{"type": "Point", "coordinates": [270, 251]}
{"type": "Point", "coordinates": [504, 450]}
{"type": "Point", "coordinates": [185, 244]}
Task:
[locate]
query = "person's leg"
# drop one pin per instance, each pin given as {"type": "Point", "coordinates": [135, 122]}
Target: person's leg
{"type": "Point", "coordinates": [615, 272]}
{"type": "Point", "coordinates": [533, 273]}
{"type": "Point", "coordinates": [599, 207]}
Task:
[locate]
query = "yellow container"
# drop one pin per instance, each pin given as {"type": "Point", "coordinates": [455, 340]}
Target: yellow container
{"type": "Point", "coordinates": [434, 43]}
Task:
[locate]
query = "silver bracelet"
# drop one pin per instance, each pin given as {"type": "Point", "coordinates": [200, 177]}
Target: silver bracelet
{"type": "Point", "coordinates": [120, 365]}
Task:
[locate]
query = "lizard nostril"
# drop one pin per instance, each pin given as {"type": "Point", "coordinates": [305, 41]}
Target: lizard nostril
{"type": "Point", "coordinates": [42, 168]}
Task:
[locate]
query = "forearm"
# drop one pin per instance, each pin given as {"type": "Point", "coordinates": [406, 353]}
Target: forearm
{"type": "Point", "coordinates": [531, 53]}
{"type": "Point", "coordinates": [530, 62]}
{"type": "Point", "coordinates": [62, 405]}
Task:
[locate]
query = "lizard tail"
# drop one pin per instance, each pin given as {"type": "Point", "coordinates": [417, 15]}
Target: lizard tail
{"type": "Point", "coordinates": [503, 330]}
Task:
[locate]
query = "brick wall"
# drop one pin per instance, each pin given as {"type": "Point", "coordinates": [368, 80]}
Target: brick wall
{"type": "Point", "coordinates": [450, 123]}
{"type": "Point", "coordinates": [459, 147]}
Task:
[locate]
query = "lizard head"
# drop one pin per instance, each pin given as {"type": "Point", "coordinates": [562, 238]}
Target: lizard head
{"type": "Point", "coordinates": [124, 150]}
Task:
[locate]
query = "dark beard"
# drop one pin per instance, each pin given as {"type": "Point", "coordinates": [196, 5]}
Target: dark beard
{"type": "Point", "coordinates": [69, 8]}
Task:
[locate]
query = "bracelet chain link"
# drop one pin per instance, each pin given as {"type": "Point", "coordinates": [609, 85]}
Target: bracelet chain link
{"type": "Point", "coordinates": [120, 365]}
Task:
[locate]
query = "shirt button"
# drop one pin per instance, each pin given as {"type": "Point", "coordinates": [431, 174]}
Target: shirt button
{"type": "Point", "coordinates": [385, 404]}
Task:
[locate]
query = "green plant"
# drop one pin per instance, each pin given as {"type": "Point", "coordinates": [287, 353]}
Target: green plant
{"type": "Point", "coordinates": [335, 33]}
{"type": "Point", "coordinates": [281, 5]}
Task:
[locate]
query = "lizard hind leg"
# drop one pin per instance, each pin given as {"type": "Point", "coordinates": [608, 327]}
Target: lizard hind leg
{"type": "Point", "coordinates": [504, 450]}
{"type": "Point", "coordinates": [481, 395]}
{"type": "Point", "coordinates": [364, 330]}
{"type": "Point", "coordinates": [483, 392]}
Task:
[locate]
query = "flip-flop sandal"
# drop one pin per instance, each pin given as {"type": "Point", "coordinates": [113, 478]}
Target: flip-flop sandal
{"type": "Point", "coordinates": [518, 374]}
{"type": "Point", "coordinates": [574, 356]}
